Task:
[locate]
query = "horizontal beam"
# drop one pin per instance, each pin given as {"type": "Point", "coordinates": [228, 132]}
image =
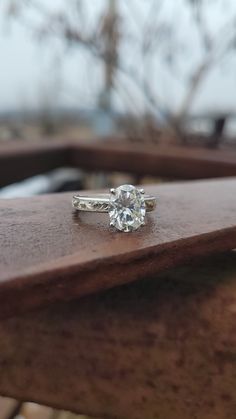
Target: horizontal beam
{"type": "Point", "coordinates": [19, 161]}
{"type": "Point", "coordinates": [49, 253]}
{"type": "Point", "coordinates": [22, 160]}
{"type": "Point", "coordinates": [158, 160]}
{"type": "Point", "coordinates": [163, 348]}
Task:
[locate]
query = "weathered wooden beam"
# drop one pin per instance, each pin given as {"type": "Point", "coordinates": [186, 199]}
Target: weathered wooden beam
{"type": "Point", "coordinates": [159, 160]}
{"type": "Point", "coordinates": [160, 348]}
{"type": "Point", "coordinates": [49, 253]}
{"type": "Point", "coordinates": [21, 160]}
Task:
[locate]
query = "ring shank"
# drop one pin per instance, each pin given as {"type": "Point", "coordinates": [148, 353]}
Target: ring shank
{"type": "Point", "coordinates": [101, 202]}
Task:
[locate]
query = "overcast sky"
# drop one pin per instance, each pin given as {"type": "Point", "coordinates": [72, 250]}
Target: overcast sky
{"type": "Point", "coordinates": [29, 71]}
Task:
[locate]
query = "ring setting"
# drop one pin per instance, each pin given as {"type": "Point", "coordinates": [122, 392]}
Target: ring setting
{"type": "Point", "coordinates": [126, 205]}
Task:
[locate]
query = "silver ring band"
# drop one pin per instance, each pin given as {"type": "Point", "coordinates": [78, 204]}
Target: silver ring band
{"type": "Point", "coordinates": [101, 202]}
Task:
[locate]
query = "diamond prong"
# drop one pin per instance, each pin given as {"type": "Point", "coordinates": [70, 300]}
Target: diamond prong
{"type": "Point", "coordinates": [142, 191]}
{"type": "Point", "coordinates": [112, 190]}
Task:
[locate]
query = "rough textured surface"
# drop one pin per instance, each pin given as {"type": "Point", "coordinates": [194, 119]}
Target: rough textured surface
{"type": "Point", "coordinates": [156, 349]}
{"type": "Point", "coordinates": [50, 253]}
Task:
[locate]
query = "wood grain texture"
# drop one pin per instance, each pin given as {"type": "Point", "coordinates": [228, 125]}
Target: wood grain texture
{"type": "Point", "coordinates": [21, 160]}
{"type": "Point", "coordinates": [50, 253]}
{"type": "Point", "coordinates": [156, 349]}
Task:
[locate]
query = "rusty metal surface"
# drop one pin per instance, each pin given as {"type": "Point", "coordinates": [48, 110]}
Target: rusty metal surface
{"type": "Point", "coordinates": [160, 348]}
{"type": "Point", "coordinates": [48, 253]}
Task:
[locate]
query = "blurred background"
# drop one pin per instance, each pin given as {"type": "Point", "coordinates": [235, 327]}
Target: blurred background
{"type": "Point", "coordinates": [112, 66]}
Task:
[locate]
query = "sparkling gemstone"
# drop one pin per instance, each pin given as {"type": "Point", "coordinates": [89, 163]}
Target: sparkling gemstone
{"type": "Point", "coordinates": [127, 208]}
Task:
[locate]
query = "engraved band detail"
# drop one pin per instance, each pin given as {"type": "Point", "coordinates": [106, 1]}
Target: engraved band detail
{"type": "Point", "coordinates": [101, 203]}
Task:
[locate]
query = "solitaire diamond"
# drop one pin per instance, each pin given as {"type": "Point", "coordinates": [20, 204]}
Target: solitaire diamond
{"type": "Point", "coordinates": [127, 208]}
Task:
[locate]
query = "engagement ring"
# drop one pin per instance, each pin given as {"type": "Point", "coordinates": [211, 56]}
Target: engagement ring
{"type": "Point", "coordinates": [126, 205]}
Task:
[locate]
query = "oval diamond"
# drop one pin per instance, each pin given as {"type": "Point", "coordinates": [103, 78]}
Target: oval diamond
{"type": "Point", "coordinates": [127, 208]}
